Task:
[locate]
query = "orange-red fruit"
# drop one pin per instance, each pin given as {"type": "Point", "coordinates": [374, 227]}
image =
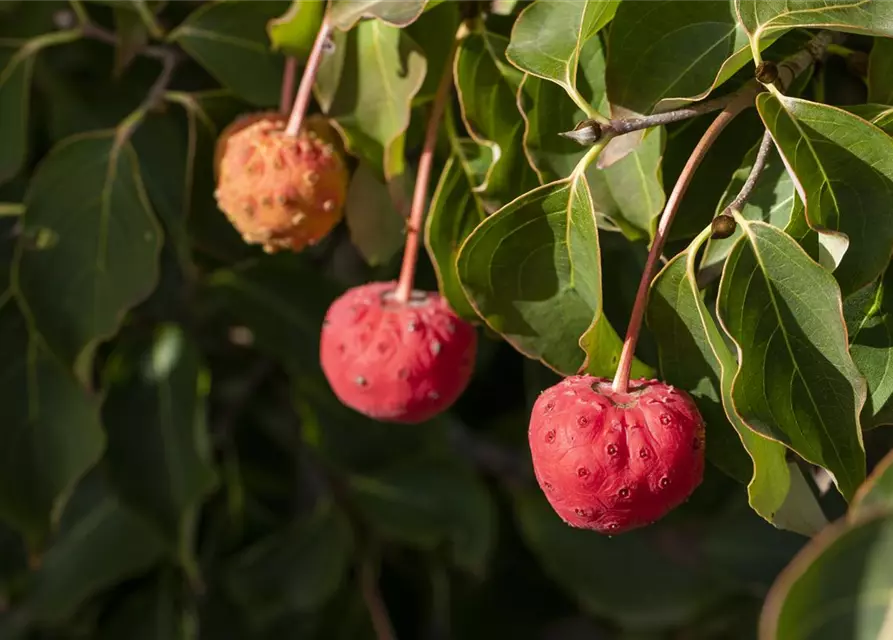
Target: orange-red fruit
{"type": "Point", "coordinates": [613, 462]}
{"type": "Point", "coordinates": [280, 191]}
{"type": "Point", "coordinates": [393, 361]}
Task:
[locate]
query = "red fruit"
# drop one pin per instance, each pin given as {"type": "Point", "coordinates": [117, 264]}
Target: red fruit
{"type": "Point", "coordinates": [613, 462]}
{"type": "Point", "coordinates": [281, 191]}
{"type": "Point", "coordinates": [393, 361]}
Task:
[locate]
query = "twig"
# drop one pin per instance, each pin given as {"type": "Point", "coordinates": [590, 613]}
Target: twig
{"type": "Point", "coordinates": [814, 51]}
{"type": "Point", "coordinates": [288, 85]}
{"type": "Point", "coordinates": [305, 89]}
{"type": "Point", "coordinates": [158, 52]}
{"type": "Point", "coordinates": [423, 177]}
{"type": "Point", "coordinates": [381, 621]}
{"type": "Point", "coordinates": [621, 379]}
{"type": "Point", "coordinates": [156, 95]}
{"type": "Point", "coordinates": [759, 164]}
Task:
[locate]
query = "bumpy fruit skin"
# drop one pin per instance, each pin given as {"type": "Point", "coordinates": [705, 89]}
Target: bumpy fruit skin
{"type": "Point", "coordinates": [396, 362]}
{"type": "Point", "coordinates": [279, 191]}
{"type": "Point", "coordinates": [614, 462]}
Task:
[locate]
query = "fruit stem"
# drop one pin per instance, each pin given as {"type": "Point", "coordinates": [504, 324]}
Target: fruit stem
{"type": "Point", "coordinates": [305, 89]}
{"type": "Point", "coordinates": [381, 621]}
{"type": "Point", "coordinates": [288, 84]}
{"type": "Point", "coordinates": [423, 177]}
{"type": "Point", "coordinates": [621, 379]}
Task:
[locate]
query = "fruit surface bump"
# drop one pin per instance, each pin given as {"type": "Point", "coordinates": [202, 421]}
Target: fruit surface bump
{"type": "Point", "coordinates": [394, 361]}
{"type": "Point", "coordinates": [612, 462]}
{"type": "Point", "coordinates": [279, 191]}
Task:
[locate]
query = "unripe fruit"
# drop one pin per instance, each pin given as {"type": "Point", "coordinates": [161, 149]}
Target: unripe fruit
{"type": "Point", "coordinates": [284, 192]}
{"type": "Point", "coordinates": [393, 361]}
{"type": "Point", "coordinates": [611, 461]}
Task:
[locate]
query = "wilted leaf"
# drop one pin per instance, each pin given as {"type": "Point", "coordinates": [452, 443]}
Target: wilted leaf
{"type": "Point", "coordinates": [765, 19]}
{"type": "Point", "coordinates": [50, 432]}
{"type": "Point", "coordinates": [102, 542]}
{"type": "Point", "coordinates": [669, 52]}
{"type": "Point", "coordinates": [367, 86]}
{"type": "Point", "coordinates": [492, 116]}
{"type": "Point", "coordinates": [428, 502]}
{"type": "Point", "coordinates": [344, 14]}
{"type": "Point", "coordinates": [90, 244]}
{"type": "Point", "coordinates": [548, 39]}
{"type": "Point", "coordinates": [376, 227]}
{"type": "Point", "coordinates": [230, 40]}
{"type": "Point", "coordinates": [154, 417]}
{"type": "Point", "coordinates": [838, 586]}
{"type": "Point", "coordinates": [796, 382]}
{"type": "Point", "coordinates": [295, 30]}
{"type": "Point", "coordinates": [844, 167]}
{"type": "Point", "coordinates": [880, 72]}
{"type": "Point", "coordinates": [295, 569]}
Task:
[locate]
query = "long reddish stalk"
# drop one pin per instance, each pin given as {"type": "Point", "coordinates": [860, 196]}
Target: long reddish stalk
{"type": "Point", "coordinates": [305, 89]}
{"type": "Point", "coordinates": [288, 85]}
{"type": "Point", "coordinates": [621, 378]}
{"type": "Point", "coordinates": [423, 178]}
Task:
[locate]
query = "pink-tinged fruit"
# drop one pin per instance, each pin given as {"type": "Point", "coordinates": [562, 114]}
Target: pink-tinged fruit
{"type": "Point", "coordinates": [612, 462]}
{"type": "Point", "coordinates": [280, 191]}
{"type": "Point", "coordinates": [393, 361]}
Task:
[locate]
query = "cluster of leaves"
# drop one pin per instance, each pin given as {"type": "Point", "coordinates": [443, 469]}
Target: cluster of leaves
{"type": "Point", "coordinates": [172, 463]}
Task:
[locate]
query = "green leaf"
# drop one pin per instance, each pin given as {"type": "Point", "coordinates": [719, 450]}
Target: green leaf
{"type": "Point", "coordinates": [880, 72]}
{"type": "Point", "coordinates": [796, 382]}
{"type": "Point", "coordinates": [838, 586]}
{"type": "Point", "coordinates": [132, 36]}
{"type": "Point", "coordinates": [102, 543]}
{"type": "Point", "coordinates": [772, 201]}
{"type": "Point", "coordinates": [670, 52]}
{"type": "Point", "coordinates": [153, 612]}
{"type": "Point", "coordinates": [90, 244]}
{"type": "Point", "coordinates": [345, 14]}
{"type": "Point", "coordinates": [367, 86]}
{"type": "Point", "coordinates": [376, 227]}
{"type": "Point", "coordinates": [876, 493]}
{"type": "Point", "coordinates": [765, 19]}
{"type": "Point", "coordinates": [869, 315]}
{"type": "Point", "coordinates": [532, 271]}
{"type": "Point", "coordinates": [291, 570]}
{"type": "Point", "coordinates": [50, 433]}
{"type": "Point", "coordinates": [15, 96]}
{"type": "Point", "coordinates": [492, 117]}
{"type": "Point", "coordinates": [844, 167]}
{"type": "Point", "coordinates": [154, 415]}
{"type": "Point", "coordinates": [435, 33]}
{"type": "Point", "coordinates": [294, 31]}
{"type": "Point", "coordinates": [695, 356]}
{"type": "Point", "coordinates": [229, 39]}
{"type": "Point", "coordinates": [633, 597]}
{"type": "Point", "coordinates": [548, 37]}
{"type": "Point", "coordinates": [456, 209]}
{"type": "Point", "coordinates": [428, 502]}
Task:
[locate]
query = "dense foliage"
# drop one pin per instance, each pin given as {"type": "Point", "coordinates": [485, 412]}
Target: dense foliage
{"type": "Point", "coordinates": [173, 462]}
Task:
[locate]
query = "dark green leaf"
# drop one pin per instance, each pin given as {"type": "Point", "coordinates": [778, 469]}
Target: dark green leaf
{"type": "Point", "coordinates": [548, 39]}
{"type": "Point", "coordinates": [294, 569]}
{"type": "Point", "coordinates": [694, 355]}
{"type": "Point", "coordinates": [766, 19]}
{"type": "Point", "coordinates": [132, 36]}
{"type": "Point", "coordinates": [230, 40]}
{"type": "Point", "coordinates": [102, 543]}
{"type": "Point", "coordinates": [49, 427]}
{"type": "Point", "coordinates": [367, 86]}
{"type": "Point", "coordinates": [344, 14]}
{"type": "Point", "coordinates": [295, 30]}
{"type": "Point", "coordinates": [844, 167]}
{"type": "Point", "coordinates": [771, 201]}
{"type": "Point", "coordinates": [796, 382]}
{"type": "Point", "coordinates": [376, 227]}
{"type": "Point", "coordinates": [838, 586]}
{"type": "Point", "coordinates": [435, 33]}
{"type": "Point", "coordinates": [154, 417]}
{"type": "Point", "coordinates": [669, 52]}
{"type": "Point", "coordinates": [492, 116]}
{"type": "Point", "coordinates": [90, 244]}
{"type": "Point", "coordinates": [428, 502]}
{"type": "Point", "coordinates": [15, 95]}
{"type": "Point", "coordinates": [154, 612]}
{"type": "Point", "coordinates": [532, 271]}
{"type": "Point", "coordinates": [880, 72]}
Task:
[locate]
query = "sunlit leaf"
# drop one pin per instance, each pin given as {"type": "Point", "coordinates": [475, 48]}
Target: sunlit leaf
{"type": "Point", "coordinates": [376, 227]}
{"type": "Point", "coordinates": [344, 14]}
{"type": "Point", "coordinates": [295, 30]}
